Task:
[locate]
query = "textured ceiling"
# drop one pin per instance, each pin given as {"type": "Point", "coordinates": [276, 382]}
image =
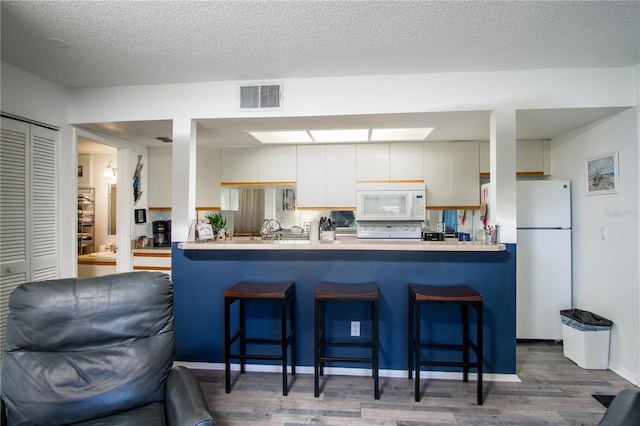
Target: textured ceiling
{"type": "Point", "coordinates": [149, 42]}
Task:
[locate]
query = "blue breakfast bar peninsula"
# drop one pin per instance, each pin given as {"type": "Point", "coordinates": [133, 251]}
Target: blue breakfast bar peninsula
{"type": "Point", "coordinates": [206, 269]}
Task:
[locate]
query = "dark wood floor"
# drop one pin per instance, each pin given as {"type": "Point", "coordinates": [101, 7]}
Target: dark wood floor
{"type": "Point", "coordinates": [553, 391]}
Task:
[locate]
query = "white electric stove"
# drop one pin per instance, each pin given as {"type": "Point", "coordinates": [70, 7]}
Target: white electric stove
{"type": "Point", "coordinates": [389, 230]}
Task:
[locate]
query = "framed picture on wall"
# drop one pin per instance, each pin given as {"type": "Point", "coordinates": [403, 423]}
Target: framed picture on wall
{"type": "Point", "coordinates": [603, 175]}
{"type": "Point", "coordinates": [141, 215]}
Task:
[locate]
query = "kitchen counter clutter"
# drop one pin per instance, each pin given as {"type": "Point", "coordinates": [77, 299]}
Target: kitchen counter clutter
{"type": "Point", "coordinates": [343, 244]}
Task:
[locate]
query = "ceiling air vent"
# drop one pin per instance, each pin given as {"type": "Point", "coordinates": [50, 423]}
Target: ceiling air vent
{"type": "Point", "coordinates": [261, 96]}
{"type": "Point", "coordinates": [165, 139]}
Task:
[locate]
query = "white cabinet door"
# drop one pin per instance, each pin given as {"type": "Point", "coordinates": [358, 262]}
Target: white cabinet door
{"type": "Point", "coordinates": [341, 177]}
{"type": "Point", "coordinates": [485, 163]}
{"type": "Point", "coordinates": [160, 175]}
{"type": "Point", "coordinates": [208, 194]}
{"type": "Point", "coordinates": [312, 176]}
{"type": "Point", "coordinates": [465, 176]}
{"type": "Point", "coordinates": [277, 164]}
{"type": "Point", "coordinates": [152, 262]}
{"type": "Point", "coordinates": [239, 165]}
{"type": "Point", "coordinates": [530, 156]}
{"type": "Point", "coordinates": [451, 174]}
{"type": "Point", "coordinates": [437, 173]}
{"type": "Point", "coordinates": [372, 162]}
{"type": "Point", "coordinates": [406, 161]}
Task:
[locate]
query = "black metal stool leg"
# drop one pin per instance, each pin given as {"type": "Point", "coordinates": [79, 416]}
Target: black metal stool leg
{"type": "Point", "coordinates": [416, 352]}
{"type": "Point", "coordinates": [465, 342]}
{"type": "Point", "coordinates": [480, 353]}
{"type": "Point", "coordinates": [227, 345]}
{"type": "Point", "coordinates": [374, 337]}
{"type": "Point", "coordinates": [410, 340]}
{"type": "Point", "coordinates": [243, 337]}
{"type": "Point", "coordinates": [316, 350]}
{"type": "Point", "coordinates": [292, 328]}
{"type": "Point", "coordinates": [283, 344]}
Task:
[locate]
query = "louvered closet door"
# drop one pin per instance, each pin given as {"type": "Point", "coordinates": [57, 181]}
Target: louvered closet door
{"type": "Point", "coordinates": [14, 204]}
{"type": "Point", "coordinates": [28, 208]}
{"type": "Point", "coordinates": [44, 207]}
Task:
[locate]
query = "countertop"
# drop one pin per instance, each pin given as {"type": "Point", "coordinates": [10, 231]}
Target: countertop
{"type": "Point", "coordinates": [152, 250]}
{"type": "Point", "coordinates": [343, 244]}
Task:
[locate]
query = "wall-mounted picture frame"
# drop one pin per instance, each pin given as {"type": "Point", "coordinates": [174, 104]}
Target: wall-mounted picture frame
{"type": "Point", "coordinates": [603, 174]}
{"type": "Point", "coordinates": [140, 215]}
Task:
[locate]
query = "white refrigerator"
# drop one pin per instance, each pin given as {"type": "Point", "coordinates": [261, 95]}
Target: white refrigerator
{"type": "Point", "coordinates": [543, 261]}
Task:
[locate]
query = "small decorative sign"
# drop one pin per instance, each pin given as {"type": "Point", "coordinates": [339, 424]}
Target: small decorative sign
{"type": "Point", "coordinates": [603, 174]}
{"type": "Point", "coordinates": [204, 232]}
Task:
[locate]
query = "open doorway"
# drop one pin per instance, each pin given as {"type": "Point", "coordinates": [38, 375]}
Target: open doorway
{"type": "Point", "coordinates": [97, 206]}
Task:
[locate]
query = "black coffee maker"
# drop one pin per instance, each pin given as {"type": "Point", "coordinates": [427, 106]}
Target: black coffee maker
{"type": "Point", "coordinates": [162, 233]}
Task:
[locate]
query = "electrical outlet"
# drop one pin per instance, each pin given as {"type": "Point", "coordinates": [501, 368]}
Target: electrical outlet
{"type": "Point", "coordinates": [306, 226]}
{"type": "Point", "coordinates": [355, 328]}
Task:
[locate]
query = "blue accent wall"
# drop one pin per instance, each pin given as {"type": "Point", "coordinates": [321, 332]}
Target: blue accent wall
{"type": "Point", "coordinates": [201, 276]}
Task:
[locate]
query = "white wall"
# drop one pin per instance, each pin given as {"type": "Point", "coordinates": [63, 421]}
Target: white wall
{"type": "Point", "coordinates": [605, 272]}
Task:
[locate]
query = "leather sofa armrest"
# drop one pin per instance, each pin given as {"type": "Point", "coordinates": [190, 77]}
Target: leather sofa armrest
{"type": "Point", "coordinates": [184, 401]}
{"type": "Point", "coordinates": [624, 409]}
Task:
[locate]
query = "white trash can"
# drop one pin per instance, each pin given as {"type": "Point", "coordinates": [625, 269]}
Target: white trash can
{"type": "Point", "coordinates": [586, 338]}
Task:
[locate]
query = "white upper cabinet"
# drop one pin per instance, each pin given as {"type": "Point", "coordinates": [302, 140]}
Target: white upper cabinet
{"type": "Point", "coordinates": [239, 165]}
{"type": "Point", "coordinates": [451, 174]}
{"type": "Point", "coordinates": [465, 177]}
{"type": "Point", "coordinates": [485, 163]}
{"type": "Point", "coordinates": [208, 194]}
{"type": "Point", "coordinates": [277, 164]}
{"type": "Point", "coordinates": [372, 162]}
{"type": "Point", "coordinates": [326, 177]}
{"type": "Point", "coordinates": [160, 175]}
{"type": "Point", "coordinates": [532, 157]}
{"type": "Point", "coordinates": [312, 176]}
{"type": "Point", "coordinates": [274, 164]}
{"type": "Point", "coordinates": [405, 161]}
{"type": "Point", "coordinates": [341, 177]}
{"type": "Point", "coordinates": [398, 161]}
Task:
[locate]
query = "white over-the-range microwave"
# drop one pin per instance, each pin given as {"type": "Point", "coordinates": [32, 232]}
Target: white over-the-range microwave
{"type": "Point", "coordinates": [390, 202]}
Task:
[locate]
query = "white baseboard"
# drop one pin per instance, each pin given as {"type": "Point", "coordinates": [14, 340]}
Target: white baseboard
{"type": "Point", "coordinates": [345, 371]}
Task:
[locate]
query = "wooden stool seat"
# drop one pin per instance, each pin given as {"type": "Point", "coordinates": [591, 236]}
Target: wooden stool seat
{"type": "Point", "coordinates": [464, 296]}
{"type": "Point", "coordinates": [355, 292]}
{"type": "Point", "coordinates": [454, 293]}
{"type": "Point", "coordinates": [329, 293]}
{"type": "Point", "coordinates": [281, 293]}
{"type": "Point", "coordinates": [248, 290]}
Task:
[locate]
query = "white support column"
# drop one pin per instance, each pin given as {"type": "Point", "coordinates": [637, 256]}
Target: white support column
{"type": "Point", "coordinates": [502, 154]}
{"type": "Point", "coordinates": [183, 198]}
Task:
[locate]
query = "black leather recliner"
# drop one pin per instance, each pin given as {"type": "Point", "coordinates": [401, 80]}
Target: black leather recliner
{"type": "Point", "coordinates": [97, 351]}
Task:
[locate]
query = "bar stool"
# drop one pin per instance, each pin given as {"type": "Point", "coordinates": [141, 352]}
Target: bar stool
{"type": "Point", "coordinates": [459, 294]}
{"type": "Point", "coordinates": [283, 293]}
{"type": "Point", "coordinates": [330, 292]}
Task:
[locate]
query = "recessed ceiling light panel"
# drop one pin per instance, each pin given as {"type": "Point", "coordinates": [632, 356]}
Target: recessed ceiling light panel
{"type": "Point", "coordinates": [413, 134]}
{"type": "Point", "coordinates": [343, 135]}
{"type": "Point", "coordinates": [285, 136]}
